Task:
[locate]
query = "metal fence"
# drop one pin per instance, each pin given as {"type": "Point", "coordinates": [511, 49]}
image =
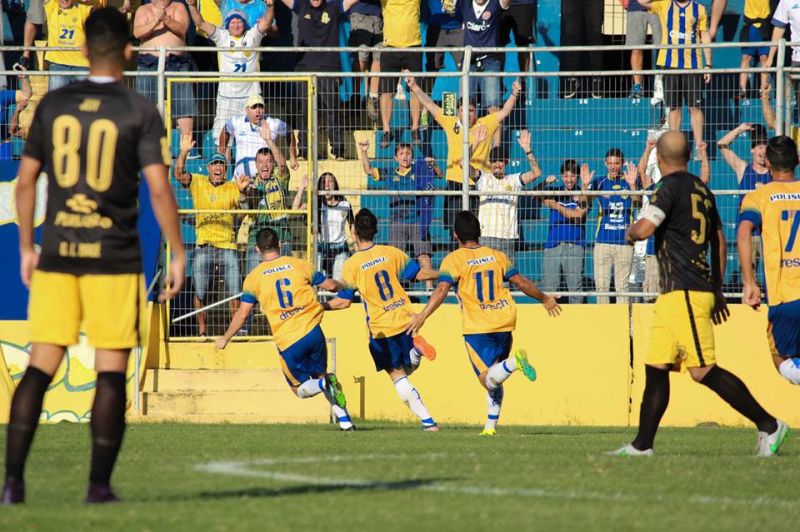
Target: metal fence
{"type": "Point", "coordinates": [414, 178]}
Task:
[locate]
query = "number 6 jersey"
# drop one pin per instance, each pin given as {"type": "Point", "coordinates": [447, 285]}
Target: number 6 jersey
{"type": "Point", "coordinates": [92, 139]}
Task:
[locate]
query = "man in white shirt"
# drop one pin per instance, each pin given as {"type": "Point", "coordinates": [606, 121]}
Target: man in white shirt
{"type": "Point", "coordinates": [249, 132]}
{"type": "Point", "coordinates": [786, 14]}
{"type": "Point", "coordinates": [498, 213]}
{"type": "Point", "coordinates": [235, 33]}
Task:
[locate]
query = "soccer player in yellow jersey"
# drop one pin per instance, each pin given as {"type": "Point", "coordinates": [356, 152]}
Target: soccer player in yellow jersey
{"type": "Point", "coordinates": [215, 239]}
{"type": "Point", "coordinates": [375, 271]}
{"type": "Point", "coordinates": [488, 312]}
{"type": "Point", "coordinates": [684, 218]}
{"type": "Point", "coordinates": [92, 138]}
{"type": "Point", "coordinates": [284, 287]}
{"type": "Point", "coordinates": [775, 209]}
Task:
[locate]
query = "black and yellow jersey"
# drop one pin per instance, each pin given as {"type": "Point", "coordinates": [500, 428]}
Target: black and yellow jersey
{"type": "Point", "coordinates": [683, 238]}
{"type": "Point", "coordinates": [92, 140]}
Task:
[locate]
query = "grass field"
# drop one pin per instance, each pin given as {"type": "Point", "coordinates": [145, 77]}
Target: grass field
{"type": "Point", "coordinates": [395, 477]}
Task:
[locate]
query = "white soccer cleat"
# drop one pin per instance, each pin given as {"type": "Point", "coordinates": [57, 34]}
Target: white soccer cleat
{"type": "Point", "coordinates": [769, 444]}
{"type": "Point", "coordinates": [630, 450]}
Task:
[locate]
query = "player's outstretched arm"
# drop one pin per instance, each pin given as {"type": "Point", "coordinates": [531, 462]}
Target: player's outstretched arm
{"type": "Point", "coordinates": [436, 300]}
{"type": "Point", "coordinates": [29, 170]}
{"type": "Point", "coordinates": [237, 322]}
{"type": "Point", "coordinates": [337, 303]}
{"type": "Point", "coordinates": [426, 274]}
{"type": "Point", "coordinates": [331, 285]}
{"type": "Point", "coordinates": [530, 289]}
{"type": "Point", "coordinates": [752, 293]}
{"type": "Point", "coordinates": [166, 211]}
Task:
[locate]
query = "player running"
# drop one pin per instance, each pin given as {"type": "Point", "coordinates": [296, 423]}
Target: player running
{"type": "Point", "coordinates": [91, 138]}
{"type": "Point", "coordinates": [683, 215]}
{"type": "Point", "coordinates": [283, 286]}
{"type": "Point", "coordinates": [775, 210]}
{"type": "Point", "coordinates": [375, 271]}
{"type": "Point", "coordinates": [488, 312]}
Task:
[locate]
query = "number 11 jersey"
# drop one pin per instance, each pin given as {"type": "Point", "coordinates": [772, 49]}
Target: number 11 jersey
{"type": "Point", "coordinates": [92, 139]}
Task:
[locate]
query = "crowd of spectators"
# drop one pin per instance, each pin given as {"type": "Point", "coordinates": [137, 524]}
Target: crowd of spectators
{"type": "Point", "coordinates": [250, 168]}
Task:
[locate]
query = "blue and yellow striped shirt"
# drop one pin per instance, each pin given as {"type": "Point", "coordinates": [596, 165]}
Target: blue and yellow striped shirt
{"type": "Point", "coordinates": [681, 24]}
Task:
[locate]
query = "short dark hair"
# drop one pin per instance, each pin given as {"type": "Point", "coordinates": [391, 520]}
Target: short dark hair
{"type": "Point", "coordinates": [782, 153]}
{"type": "Point", "coordinates": [498, 153]}
{"type": "Point", "coordinates": [107, 34]}
{"type": "Point", "coordinates": [570, 165]}
{"type": "Point", "coordinates": [615, 152]}
{"type": "Point", "coordinates": [267, 240]}
{"type": "Point", "coordinates": [366, 224]}
{"type": "Point", "coordinates": [264, 151]}
{"type": "Point", "coordinates": [758, 135]}
{"type": "Point", "coordinates": [467, 227]}
{"type": "Point", "coordinates": [402, 146]}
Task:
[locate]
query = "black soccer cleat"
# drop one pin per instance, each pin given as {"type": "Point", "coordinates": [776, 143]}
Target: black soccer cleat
{"type": "Point", "coordinates": [13, 492]}
{"type": "Point", "coordinates": [100, 494]}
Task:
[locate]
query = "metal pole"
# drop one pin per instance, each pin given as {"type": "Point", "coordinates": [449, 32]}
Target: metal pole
{"type": "Point", "coordinates": [313, 124]}
{"type": "Point", "coordinates": [207, 307]}
{"type": "Point", "coordinates": [137, 360]}
{"type": "Point", "coordinates": [780, 80]}
{"type": "Point", "coordinates": [465, 158]}
{"type": "Point", "coordinates": [162, 62]}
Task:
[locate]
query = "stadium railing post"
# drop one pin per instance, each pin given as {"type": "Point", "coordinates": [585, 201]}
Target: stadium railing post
{"type": "Point", "coordinates": [162, 61]}
{"type": "Point", "coordinates": [313, 135]}
{"type": "Point", "coordinates": [780, 80]}
{"type": "Point", "coordinates": [465, 159]}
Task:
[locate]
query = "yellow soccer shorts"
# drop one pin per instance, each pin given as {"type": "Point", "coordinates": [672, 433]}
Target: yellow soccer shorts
{"type": "Point", "coordinates": [682, 331]}
{"type": "Point", "coordinates": [108, 308]}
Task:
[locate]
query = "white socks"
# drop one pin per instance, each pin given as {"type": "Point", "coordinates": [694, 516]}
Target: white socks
{"type": "Point", "coordinates": [498, 373]}
{"type": "Point", "coordinates": [310, 388]}
{"type": "Point", "coordinates": [790, 370]}
{"type": "Point", "coordinates": [342, 416]}
{"type": "Point", "coordinates": [411, 398]}
{"type": "Point", "coordinates": [494, 401]}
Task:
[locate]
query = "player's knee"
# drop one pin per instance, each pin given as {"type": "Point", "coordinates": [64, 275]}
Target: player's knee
{"type": "Point", "coordinates": [482, 378]}
{"type": "Point", "coordinates": [699, 373]}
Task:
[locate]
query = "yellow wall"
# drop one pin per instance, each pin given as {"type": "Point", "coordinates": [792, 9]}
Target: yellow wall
{"type": "Point", "coordinates": [582, 358]}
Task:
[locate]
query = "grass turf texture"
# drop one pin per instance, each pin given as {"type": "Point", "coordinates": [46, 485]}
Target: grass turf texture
{"type": "Point", "coordinates": [395, 477]}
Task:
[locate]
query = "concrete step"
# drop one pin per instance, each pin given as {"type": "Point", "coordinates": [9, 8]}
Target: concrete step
{"type": "Point", "coordinates": [275, 406]}
{"type": "Point", "coordinates": [205, 355]}
{"type": "Point", "coordinates": [176, 380]}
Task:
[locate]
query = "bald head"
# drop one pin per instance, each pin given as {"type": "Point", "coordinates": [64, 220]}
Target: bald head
{"type": "Point", "coordinates": [673, 150]}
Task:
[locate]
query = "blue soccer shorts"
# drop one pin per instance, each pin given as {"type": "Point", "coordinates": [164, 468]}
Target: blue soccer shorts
{"type": "Point", "coordinates": [486, 349]}
{"type": "Point", "coordinates": [306, 358]}
{"type": "Point", "coordinates": [783, 331]}
{"type": "Point", "coordinates": [391, 352]}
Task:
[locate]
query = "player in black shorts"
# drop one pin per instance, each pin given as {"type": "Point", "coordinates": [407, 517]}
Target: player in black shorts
{"type": "Point", "coordinates": [91, 138]}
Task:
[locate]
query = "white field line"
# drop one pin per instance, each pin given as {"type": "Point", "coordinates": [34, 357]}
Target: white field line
{"type": "Point", "coordinates": [249, 469]}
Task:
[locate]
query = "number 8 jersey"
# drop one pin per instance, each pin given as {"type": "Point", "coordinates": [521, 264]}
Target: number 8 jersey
{"type": "Point", "coordinates": [478, 274]}
{"type": "Point", "coordinates": [283, 288]}
{"type": "Point", "coordinates": [92, 139]}
{"type": "Point", "coordinates": [376, 272]}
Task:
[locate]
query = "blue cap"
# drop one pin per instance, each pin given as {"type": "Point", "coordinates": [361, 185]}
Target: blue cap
{"type": "Point", "coordinates": [217, 158]}
{"type": "Point", "coordinates": [240, 16]}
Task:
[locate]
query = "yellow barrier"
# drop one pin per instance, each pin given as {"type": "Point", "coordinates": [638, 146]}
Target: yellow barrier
{"type": "Point", "coordinates": [583, 360]}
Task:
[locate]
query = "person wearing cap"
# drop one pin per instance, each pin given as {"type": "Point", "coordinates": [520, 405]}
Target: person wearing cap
{"type": "Point", "coordinates": [165, 23]}
{"type": "Point", "coordinates": [236, 32]}
{"type": "Point", "coordinates": [251, 132]}
{"type": "Point", "coordinates": [215, 239]}
{"type": "Point", "coordinates": [497, 211]}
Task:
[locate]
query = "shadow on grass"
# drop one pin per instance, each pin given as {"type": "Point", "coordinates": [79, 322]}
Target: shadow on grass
{"type": "Point", "coordinates": [308, 489]}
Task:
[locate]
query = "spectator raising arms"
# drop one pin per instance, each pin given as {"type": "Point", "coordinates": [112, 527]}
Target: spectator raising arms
{"type": "Point", "coordinates": [65, 20]}
{"type": "Point", "coordinates": [410, 215]}
{"type": "Point", "coordinates": [215, 245]}
{"type": "Point", "coordinates": [237, 33]}
{"type": "Point", "coordinates": [498, 212]}
{"type": "Point", "coordinates": [165, 23]}
{"type": "Point", "coordinates": [252, 9]}
{"type": "Point", "coordinates": [616, 213]}
{"type": "Point", "coordinates": [318, 25]}
{"type": "Point", "coordinates": [479, 158]}
{"type": "Point", "coordinates": [251, 132]}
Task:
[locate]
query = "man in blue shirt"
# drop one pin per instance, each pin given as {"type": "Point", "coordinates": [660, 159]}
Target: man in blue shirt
{"type": "Point", "coordinates": [616, 213]}
{"type": "Point", "coordinates": [566, 232]}
{"type": "Point", "coordinates": [411, 215]}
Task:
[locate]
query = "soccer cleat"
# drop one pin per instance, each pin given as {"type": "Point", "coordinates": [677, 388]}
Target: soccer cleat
{"type": "Point", "coordinates": [521, 357]}
{"type": "Point", "coordinates": [489, 432]}
{"type": "Point", "coordinates": [769, 444]}
{"type": "Point", "coordinates": [630, 450]}
{"type": "Point", "coordinates": [351, 428]}
{"type": "Point", "coordinates": [424, 348]}
{"type": "Point", "coordinates": [100, 494]}
{"type": "Point", "coordinates": [334, 389]}
{"type": "Point", "coordinates": [13, 492]}
{"type": "Point", "coordinates": [430, 428]}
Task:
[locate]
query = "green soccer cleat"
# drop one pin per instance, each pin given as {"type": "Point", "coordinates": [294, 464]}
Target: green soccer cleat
{"type": "Point", "coordinates": [489, 432]}
{"type": "Point", "coordinates": [521, 357]}
{"type": "Point", "coordinates": [334, 388]}
{"type": "Point", "coordinates": [769, 444]}
{"type": "Point", "coordinates": [630, 450]}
